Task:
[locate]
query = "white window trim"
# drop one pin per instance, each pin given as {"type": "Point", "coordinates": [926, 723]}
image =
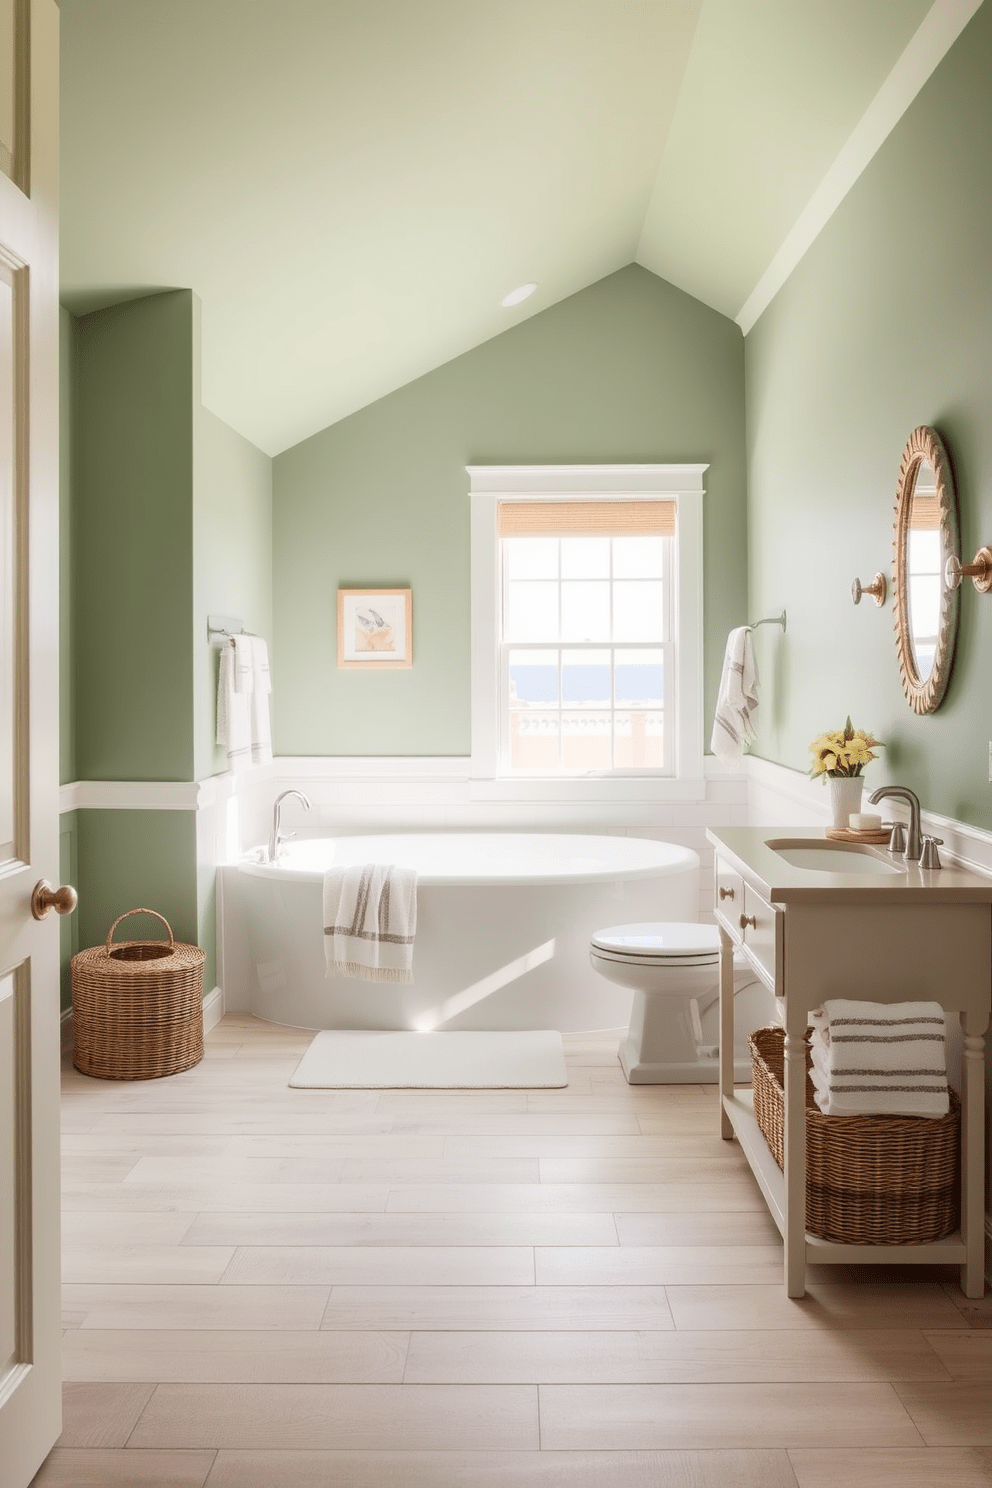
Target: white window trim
{"type": "Point", "coordinates": [490, 484]}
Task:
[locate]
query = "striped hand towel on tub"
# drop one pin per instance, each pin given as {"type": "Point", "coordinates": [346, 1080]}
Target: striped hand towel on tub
{"type": "Point", "coordinates": [879, 1058]}
{"type": "Point", "coordinates": [370, 920]}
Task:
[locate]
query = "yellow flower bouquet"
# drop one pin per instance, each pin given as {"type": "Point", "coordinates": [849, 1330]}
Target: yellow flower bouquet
{"type": "Point", "coordinates": [842, 754]}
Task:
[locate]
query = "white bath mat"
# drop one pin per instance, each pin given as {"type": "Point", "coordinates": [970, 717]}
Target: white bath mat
{"type": "Point", "coordinates": [349, 1059]}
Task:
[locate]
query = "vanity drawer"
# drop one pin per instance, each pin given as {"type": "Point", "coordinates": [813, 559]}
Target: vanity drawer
{"type": "Point", "coordinates": [729, 899]}
{"type": "Point", "coordinates": [763, 939]}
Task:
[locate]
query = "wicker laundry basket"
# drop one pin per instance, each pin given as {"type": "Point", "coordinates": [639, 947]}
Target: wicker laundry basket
{"type": "Point", "coordinates": [870, 1180]}
{"type": "Point", "coordinates": [137, 1007]}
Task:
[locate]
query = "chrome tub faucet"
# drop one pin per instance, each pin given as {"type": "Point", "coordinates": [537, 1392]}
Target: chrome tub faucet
{"type": "Point", "coordinates": [278, 836]}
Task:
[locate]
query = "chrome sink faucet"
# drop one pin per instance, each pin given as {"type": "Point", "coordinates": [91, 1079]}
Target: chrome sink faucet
{"type": "Point", "coordinates": [278, 836]}
{"type": "Point", "coordinates": [914, 844]}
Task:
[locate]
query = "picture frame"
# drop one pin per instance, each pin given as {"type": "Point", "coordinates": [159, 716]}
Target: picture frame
{"type": "Point", "coordinates": [375, 629]}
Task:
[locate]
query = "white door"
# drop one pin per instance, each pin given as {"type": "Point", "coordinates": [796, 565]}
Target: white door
{"type": "Point", "coordinates": [30, 1410]}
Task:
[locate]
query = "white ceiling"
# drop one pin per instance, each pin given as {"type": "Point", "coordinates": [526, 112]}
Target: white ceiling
{"type": "Point", "coordinates": [351, 186]}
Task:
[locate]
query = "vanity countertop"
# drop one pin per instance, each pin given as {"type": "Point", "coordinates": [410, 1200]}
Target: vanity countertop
{"type": "Point", "coordinates": [746, 850]}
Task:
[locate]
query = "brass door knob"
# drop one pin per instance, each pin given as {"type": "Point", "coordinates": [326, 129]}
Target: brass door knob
{"type": "Point", "coordinates": [726, 893]}
{"type": "Point", "coordinates": [751, 920]}
{"type": "Point", "coordinates": [44, 898]}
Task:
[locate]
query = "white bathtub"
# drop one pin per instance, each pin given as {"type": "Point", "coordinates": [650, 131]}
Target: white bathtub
{"type": "Point", "coordinates": [504, 921]}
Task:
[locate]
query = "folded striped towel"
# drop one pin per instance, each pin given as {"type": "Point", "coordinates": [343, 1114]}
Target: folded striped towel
{"type": "Point", "coordinates": [879, 1058]}
{"type": "Point", "coordinates": [370, 920]}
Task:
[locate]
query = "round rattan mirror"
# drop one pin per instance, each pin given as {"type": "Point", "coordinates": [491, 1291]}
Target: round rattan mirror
{"type": "Point", "coordinates": [926, 535]}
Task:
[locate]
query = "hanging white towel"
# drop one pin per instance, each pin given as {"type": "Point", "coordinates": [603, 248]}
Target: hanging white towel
{"type": "Point", "coordinates": [233, 713]}
{"type": "Point", "coordinates": [737, 702]}
{"type": "Point", "coordinates": [370, 921]}
{"type": "Point", "coordinates": [244, 663]}
{"type": "Point", "coordinates": [879, 1058]}
{"type": "Point", "coordinates": [261, 733]}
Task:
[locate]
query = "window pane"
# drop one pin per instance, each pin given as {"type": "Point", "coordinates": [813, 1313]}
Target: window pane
{"type": "Point", "coordinates": [533, 740]}
{"type": "Point", "coordinates": [532, 611]}
{"type": "Point", "coordinates": [924, 618]}
{"type": "Point", "coordinates": [585, 557]}
{"type": "Point", "coordinates": [640, 679]}
{"type": "Point", "coordinates": [585, 611]}
{"type": "Point", "coordinates": [639, 741]}
{"type": "Point", "coordinates": [585, 741]}
{"type": "Point", "coordinates": [639, 557]}
{"type": "Point", "coordinates": [585, 679]}
{"type": "Point", "coordinates": [638, 610]}
{"type": "Point", "coordinates": [532, 557]}
{"type": "Point", "coordinates": [534, 679]}
{"type": "Point", "coordinates": [923, 554]}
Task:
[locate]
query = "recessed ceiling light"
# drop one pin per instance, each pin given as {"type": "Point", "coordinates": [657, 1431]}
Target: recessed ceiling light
{"type": "Point", "coordinates": [516, 295]}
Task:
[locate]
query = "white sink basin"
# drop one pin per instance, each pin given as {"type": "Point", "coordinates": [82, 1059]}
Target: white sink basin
{"type": "Point", "coordinates": [819, 856]}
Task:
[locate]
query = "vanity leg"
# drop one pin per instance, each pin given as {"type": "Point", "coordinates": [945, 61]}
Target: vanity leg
{"type": "Point", "coordinates": [726, 1030]}
{"type": "Point", "coordinates": [973, 1156]}
{"type": "Point", "coordinates": [795, 1155]}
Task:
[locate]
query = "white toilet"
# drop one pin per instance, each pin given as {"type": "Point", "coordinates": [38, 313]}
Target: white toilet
{"type": "Point", "coordinates": [674, 971]}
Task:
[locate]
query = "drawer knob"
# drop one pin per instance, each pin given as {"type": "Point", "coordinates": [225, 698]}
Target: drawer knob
{"type": "Point", "coordinates": [751, 920]}
{"type": "Point", "coordinates": [726, 893]}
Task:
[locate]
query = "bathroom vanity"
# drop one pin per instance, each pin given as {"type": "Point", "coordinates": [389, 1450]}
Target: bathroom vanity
{"type": "Point", "coordinates": [818, 919]}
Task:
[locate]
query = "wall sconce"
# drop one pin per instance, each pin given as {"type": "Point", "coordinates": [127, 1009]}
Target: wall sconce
{"type": "Point", "coordinates": [877, 589]}
{"type": "Point", "coordinates": [979, 571]}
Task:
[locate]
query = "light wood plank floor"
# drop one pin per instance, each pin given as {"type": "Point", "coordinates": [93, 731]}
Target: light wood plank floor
{"type": "Point", "coordinates": [275, 1288]}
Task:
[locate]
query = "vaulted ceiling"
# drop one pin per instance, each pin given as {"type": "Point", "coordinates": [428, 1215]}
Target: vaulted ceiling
{"type": "Point", "coordinates": [352, 186]}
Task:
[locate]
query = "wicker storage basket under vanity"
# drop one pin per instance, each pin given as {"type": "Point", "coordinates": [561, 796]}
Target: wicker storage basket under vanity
{"type": "Point", "coordinates": [137, 1007]}
{"type": "Point", "coordinates": [870, 1180]}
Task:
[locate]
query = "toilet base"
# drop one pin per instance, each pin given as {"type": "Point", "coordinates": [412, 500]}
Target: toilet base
{"type": "Point", "coordinates": [695, 1072]}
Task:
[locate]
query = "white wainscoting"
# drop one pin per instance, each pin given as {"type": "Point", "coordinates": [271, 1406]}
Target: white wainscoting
{"type": "Point", "coordinates": [779, 797]}
{"type": "Point", "coordinates": [367, 795]}
{"type": "Point", "coordinates": [351, 796]}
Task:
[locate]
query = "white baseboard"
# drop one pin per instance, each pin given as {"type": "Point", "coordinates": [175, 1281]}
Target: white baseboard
{"type": "Point", "coordinates": [213, 1009]}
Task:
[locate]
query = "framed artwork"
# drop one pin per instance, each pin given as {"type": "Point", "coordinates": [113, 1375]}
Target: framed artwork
{"type": "Point", "coordinates": [375, 628]}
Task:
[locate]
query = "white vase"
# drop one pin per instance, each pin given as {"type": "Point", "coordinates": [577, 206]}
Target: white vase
{"type": "Point", "coordinates": [845, 798]}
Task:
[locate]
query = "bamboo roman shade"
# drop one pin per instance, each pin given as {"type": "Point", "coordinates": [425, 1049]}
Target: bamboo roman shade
{"type": "Point", "coordinates": [587, 518]}
{"type": "Point", "coordinates": [925, 512]}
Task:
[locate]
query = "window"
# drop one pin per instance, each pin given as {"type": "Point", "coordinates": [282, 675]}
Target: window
{"type": "Point", "coordinates": [924, 570]}
{"type": "Point", "coordinates": [587, 628]}
{"type": "Point", "coordinates": [586, 660]}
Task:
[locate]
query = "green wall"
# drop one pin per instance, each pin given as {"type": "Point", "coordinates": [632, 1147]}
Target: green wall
{"type": "Point", "coordinates": [166, 518]}
{"type": "Point", "coordinates": [133, 540]}
{"type": "Point", "coordinates": [629, 370]}
{"type": "Point", "coordinates": [69, 941]}
{"type": "Point", "coordinates": [134, 859]}
{"type": "Point", "coordinates": [885, 324]}
{"type": "Point", "coordinates": [232, 561]}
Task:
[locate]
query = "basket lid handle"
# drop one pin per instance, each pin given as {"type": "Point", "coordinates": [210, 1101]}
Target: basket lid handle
{"type": "Point", "coordinates": [153, 912]}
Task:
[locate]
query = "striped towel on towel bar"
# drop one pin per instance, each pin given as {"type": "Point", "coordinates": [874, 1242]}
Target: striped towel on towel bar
{"type": "Point", "coordinates": [735, 721]}
{"type": "Point", "coordinates": [879, 1058]}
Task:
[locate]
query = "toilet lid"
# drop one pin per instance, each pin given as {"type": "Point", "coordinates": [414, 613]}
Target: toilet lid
{"type": "Point", "coordinates": [660, 942]}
